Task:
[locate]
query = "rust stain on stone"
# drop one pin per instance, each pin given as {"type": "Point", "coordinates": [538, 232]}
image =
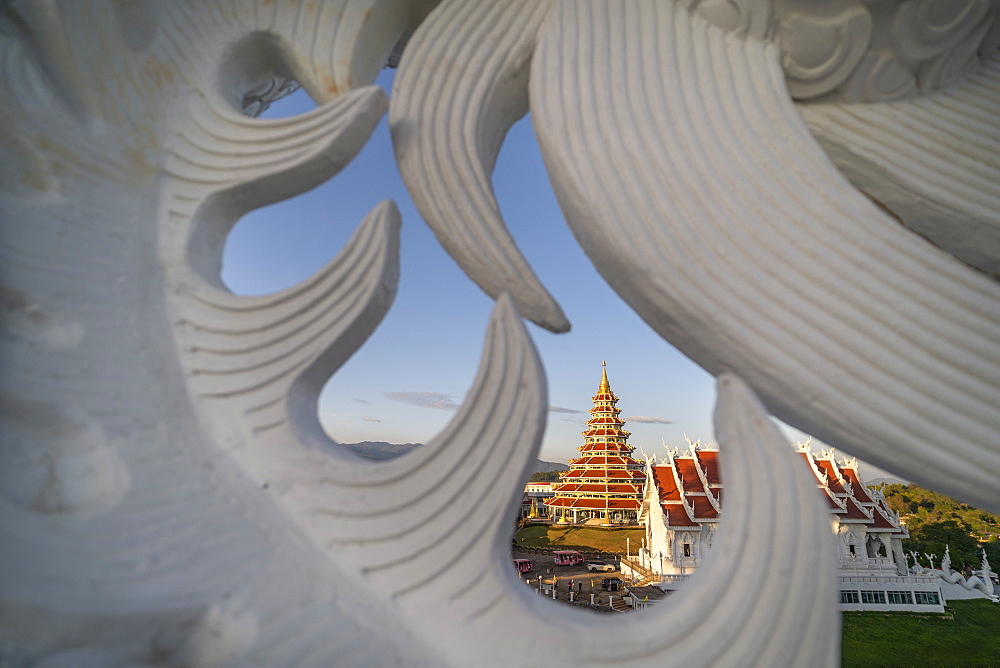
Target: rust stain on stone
{"type": "Point", "coordinates": [161, 73]}
{"type": "Point", "coordinates": [14, 302]}
{"type": "Point", "coordinates": [330, 85]}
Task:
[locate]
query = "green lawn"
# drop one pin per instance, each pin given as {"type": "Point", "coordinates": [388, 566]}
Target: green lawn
{"type": "Point", "coordinates": [585, 539]}
{"type": "Point", "coordinates": [870, 639]}
{"type": "Point", "coordinates": [972, 638]}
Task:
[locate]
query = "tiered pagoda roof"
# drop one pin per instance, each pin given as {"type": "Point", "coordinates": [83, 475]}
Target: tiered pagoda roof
{"type": "Point", "coordinates": [847, 496]}
{"type": "Point", "coordinates": [605, 478]}
{"type": "Point", "coordinates": [688, 488]}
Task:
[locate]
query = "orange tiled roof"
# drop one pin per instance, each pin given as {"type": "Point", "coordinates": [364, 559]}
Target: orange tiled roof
{"type": "Point", "coordinates": [663, 476]}
{"type": "Point", "coordinates": [703, 509]}
{"type": "Point", "coordinates": [856, 505]}
{"type": "Point", "coordinates": [604, 474]}
{"type": "Point", "coordinates": [857, 489]}
{"type": "Point", "coordinates": [594, 460]}
{"type": "Point", "coordinates": [677, 516]}
{"type": "Point", "coordinates": [599, 504]}
{"type": "Point", "coordinates": [625, 450]}
{"type": "Point", "coordinates": [832, 481]}
{"type": "Point", "coordinates": [880, 522]}
{"type": "Point", "coordinates": [831, 500]}
{"type": "Point", "coordinates": [599, 488]}
{"type": "Point", "coordinates": [854, 511]}
{"type": "Point", "coordinates": [606, 431]}
{"type": "Point", "coordinates": [709, 460]}
{"type": "Point", "coordinates": [689, 474]}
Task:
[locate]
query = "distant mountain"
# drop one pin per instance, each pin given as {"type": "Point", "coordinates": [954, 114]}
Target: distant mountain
{"type": "Point", "coordinates": [382, 451]}
{"type": "Point", "coordinates": [889, 481]}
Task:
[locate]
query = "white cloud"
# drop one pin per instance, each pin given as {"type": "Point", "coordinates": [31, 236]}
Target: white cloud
{"type": "Point", "coordinates": [641, 419]}
{"type": "Point", "coordinates": [370, 419]}
{"type": "Point", "coordinates": [424, 399]}
{"type": "Point", "coordinates": [560, 409]}
{"type": "Point", "coordinates": [362, 401]}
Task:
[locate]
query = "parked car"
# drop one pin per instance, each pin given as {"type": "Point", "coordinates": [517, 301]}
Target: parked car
{"type": "Point", "coordinates": [598, 565]}
{"type": "Point", "coordinates": [612, 584]}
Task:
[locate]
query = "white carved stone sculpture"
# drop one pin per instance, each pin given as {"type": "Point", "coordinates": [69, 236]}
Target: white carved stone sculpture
{"type": "Point", "coordinates": [690, 179]}
{"type": "Point", "coordinates": [166, 492]}
{"type": "Point", "coordinates": [982, 582]}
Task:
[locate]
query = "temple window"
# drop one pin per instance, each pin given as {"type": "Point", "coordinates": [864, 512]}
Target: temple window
{"type": "Point", "coordinates": [900, 597]}
{"type": "Point", "coordinates": [873, 597]}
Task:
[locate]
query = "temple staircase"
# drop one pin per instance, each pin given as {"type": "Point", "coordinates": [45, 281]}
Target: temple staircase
{"type": "Point", "coordinates": [618, 603]}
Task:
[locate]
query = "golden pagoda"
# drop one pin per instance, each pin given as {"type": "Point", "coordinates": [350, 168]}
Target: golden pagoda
{"type": "Point", "coordinates": [604, 483]}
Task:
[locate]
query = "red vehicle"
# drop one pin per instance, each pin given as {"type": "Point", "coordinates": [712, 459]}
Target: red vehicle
{"type": "Point", "coordinates": [568, 558]}
{"type": "Point", "coordinates": [523, 565]}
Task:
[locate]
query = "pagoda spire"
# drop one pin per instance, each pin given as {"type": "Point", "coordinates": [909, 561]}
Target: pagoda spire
{"type": "Point", "coordinates": [605, 386]}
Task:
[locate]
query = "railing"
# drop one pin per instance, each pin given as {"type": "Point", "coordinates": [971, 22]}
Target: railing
{"type": "Point", "coordinates": [886, 579]}
{"type": "Point", "coordinates": [592, 598]}
{"type": "Point", "coordinates": [647, 574]}
{"type": "Point", "coordinates": [549, 550]}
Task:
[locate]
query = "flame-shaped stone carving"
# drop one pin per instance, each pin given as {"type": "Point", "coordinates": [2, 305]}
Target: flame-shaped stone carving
{"type": "Point", "coordinates": [690, 179]}
{"type": "Point", "coordinates": [166, 492]}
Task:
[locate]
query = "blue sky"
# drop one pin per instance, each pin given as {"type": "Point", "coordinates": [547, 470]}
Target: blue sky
{"type": "Point", "coordinates": [404, 384]}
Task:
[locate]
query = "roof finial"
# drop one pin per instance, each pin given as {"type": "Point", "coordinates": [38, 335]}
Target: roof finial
{"type": "Point", "coordinates": [605, 387]}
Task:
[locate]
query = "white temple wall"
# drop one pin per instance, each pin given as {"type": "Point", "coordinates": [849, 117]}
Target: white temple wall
{"type": "Point", "coordinates": [658, 541]}
{"type": "Point", "coordinates": [852, 536]}
{"type": "Point", "coordinates": [957, 591]}
{"type": "Point", "coordinates": [687, 550]}
{"type": "Point", "coordinates": [892, 593]}
{"type": "Point", "coordinates": [898, 556]}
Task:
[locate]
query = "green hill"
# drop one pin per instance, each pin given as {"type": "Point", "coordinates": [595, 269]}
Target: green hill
{"type": "Point", "coordinates": [935, 520]}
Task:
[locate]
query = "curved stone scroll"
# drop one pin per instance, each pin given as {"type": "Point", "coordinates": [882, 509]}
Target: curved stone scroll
{"type": "Point", "coordinates": [844, 323]}
{"type": "Point", "coordinates": [893, 152]}
{"type": "Point", "coordinates": [689, 177]}
{"type": "Point", "coordinates": [462, 85]}
{"type": "Point", "coordinates": [756, 254]}
{"type": "Point", "coordinates": [131, 535]}
{"type": "Point", "coordinates": [166, 495]}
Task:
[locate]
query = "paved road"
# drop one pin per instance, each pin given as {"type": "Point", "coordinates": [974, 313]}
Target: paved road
{"type": "Point", "coordinates": [544, 565]}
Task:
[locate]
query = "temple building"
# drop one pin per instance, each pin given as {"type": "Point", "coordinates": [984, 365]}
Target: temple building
{"type": "Point", "coordinates": [604, 485]}
{"type": "Point", "coordinates": [533, 502]}
{"type": "Point", "coordinates": [680, 511]}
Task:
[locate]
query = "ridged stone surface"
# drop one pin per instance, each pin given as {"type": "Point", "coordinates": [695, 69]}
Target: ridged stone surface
{"type": "Point", "coordinates": [718, 218]}
{"type": "Point", "coordinates": [167, 495]}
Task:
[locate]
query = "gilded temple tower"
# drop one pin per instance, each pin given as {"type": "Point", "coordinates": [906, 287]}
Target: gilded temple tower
{"type": "Point", "coordinates": [604, 483]}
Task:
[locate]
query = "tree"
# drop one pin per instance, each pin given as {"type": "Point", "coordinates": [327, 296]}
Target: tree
{"type": "Point", "coordinates": [544, 476]}
{"type": "Point", "coordinates": [934, 537]}
{"type": "Point", "coordinates": [935, 521]}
